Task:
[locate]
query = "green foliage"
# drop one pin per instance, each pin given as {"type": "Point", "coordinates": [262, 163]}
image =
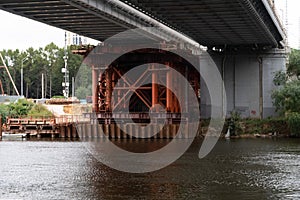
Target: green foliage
{"type": "Point", "coordinates": [280, 78]}
{"type": "Point", "coordinates": [293, 120]}
{"type": "Point", "coordinates": [4, 111]}
{"type": "Point", "coordinates": [264, 126]}
{"type": "Point", "coordinates": [234, 123]}
{"type": "Point", "coordinates": [58, 97]}
{"type": "Point", "coordinates": [287, 99]}
{"type": "Point", "coordinates": [39, 110]}
{"type": "Point", "coordinates": [23, 108]}
{"type": "Point", "coordinates": [83, 84]}
{"type": "Point", "coordinates": [293, 67]}
{"type": "Point", "coordinates": [20, 108]}
{"type": "Point", "coordinates": [82, 92]}
{"type": "Point", "coordinates": [47, 61]}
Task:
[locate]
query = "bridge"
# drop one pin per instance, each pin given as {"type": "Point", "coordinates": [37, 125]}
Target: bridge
{"type": "Point", "coordinates": [244, 37]}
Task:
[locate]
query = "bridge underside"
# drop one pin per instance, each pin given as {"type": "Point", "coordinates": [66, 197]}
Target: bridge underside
{"type": "Point", "coordinates": [218, 22]}
{"type": "Point", "coordinates": [68, 15]}
{"type": "Point", "coordinates": [208, 22]}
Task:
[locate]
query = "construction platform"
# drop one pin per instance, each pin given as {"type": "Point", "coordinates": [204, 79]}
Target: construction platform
{"type": "Point", "coordinates": [41, 127]}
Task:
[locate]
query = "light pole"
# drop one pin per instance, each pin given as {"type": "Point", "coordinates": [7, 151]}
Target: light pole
{"type": "Point", "coordinates": [23, 60]}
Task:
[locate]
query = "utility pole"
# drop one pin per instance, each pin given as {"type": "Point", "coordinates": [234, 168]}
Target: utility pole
{"type": "Point", "coordinates": [22, 81]}
{"type": "Point", "coordinates": [65, 71]}
{"type": "Point", "coordinates": [73, 86]}
{"type": "Point", "coordinates": [43, 86]}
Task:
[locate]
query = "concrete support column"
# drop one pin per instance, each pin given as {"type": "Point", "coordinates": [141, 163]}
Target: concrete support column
{"type": "Point", "coordinates": [261, 92]}
{"type": "Point", "coordinates": [95, 89]}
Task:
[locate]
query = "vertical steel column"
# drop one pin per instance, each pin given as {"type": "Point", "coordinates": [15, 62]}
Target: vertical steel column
{"type": "Point", "coordinates": [113, 83]}
{"type": "Point", "coordinates": [108, 77]}
{"type": "Point", "coordinates": [169, 91]}
{"type": "Point", "coordinates": [123, 93]}
{"type": "Point", "coordinates": [101, 89]}
{"type": "Point", "coordinates": [186, 90]}
{"type": "Point", "coordinates": [154, 86]}
{"type": "Point", "coordinates": [95, 89]}
{"type": "Point", "coordinates": [119, 91]}
{"type": "Point", "coordinates": [176, 88]}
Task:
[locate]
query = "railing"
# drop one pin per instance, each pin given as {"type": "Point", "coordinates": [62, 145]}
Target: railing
{"type": "Point", "coordinates": [71, 119]}
{"type": "Point", "coordinates": [20, 121]}
{"type": "Point", "coordinates": [47, 120]}
{"type": "Point", "coordinates": [280, 21]}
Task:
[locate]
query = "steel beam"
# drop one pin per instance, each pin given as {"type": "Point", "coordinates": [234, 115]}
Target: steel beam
{"type": "Point", "coordinates": [154, 86]}
{"type": "Point", "coordinates": [108, 94]}
{"type": "Point", "coordinates": [95, 103]}
{"type": "Point", "coordinates": [169, 99]}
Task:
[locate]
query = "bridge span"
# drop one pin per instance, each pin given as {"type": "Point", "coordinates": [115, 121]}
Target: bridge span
{"type": "Point", "coordinates": [208, 22]}
{"type": "Point", "coordinates": [244, 37]}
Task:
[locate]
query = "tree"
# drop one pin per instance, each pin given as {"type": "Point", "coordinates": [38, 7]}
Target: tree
{"type": "Point", "coordinates": [287, 98]}
{"type": "Point", "coordinates": [293, 67]}
{"type": "Point", "coordinates": [83, 84]}
{"type": "Point", "coordinates": [12, 60]}
{"type": "Point", "coordinates": [280, 78]}
{"type": "Point", "coordinates": [48, 61]}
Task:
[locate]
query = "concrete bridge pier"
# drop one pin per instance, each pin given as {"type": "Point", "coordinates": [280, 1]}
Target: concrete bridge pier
{"type": "Point", "coordinates": [248, 78]}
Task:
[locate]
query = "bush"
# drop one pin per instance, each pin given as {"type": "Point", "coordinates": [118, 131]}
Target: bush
{"type": "Point", "coordinates": [4, 111]}
{"type": "Point", "coordinates": [20, 108]}
{"type": "Point", "coordinates": [39, 110]}
{"type": "Point", "coordinates": [287, 99]}
{"type": "Point", "coordinates": [58, 97]}
{"type": "Point", "coordinates": [293, 120]}
{"type": "Point", "coordinates": [234, 123]}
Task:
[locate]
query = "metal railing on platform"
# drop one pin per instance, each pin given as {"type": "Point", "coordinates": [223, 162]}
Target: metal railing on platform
{"type": "Point", "coordinates": [71, 119]}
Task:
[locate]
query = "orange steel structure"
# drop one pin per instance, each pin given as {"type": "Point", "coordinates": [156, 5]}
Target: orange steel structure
{"type": "Point", "coordinates": [146, 97]}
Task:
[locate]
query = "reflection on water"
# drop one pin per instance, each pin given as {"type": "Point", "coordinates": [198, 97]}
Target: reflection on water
{"type": "Point", "coordinates": [236, 169]}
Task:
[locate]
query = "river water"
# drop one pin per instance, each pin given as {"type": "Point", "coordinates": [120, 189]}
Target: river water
{"type": "Point", "coordinates": [235, 169]}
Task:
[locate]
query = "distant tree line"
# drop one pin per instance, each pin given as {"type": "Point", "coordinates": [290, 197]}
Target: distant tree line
{"type": "Point", "coordinates": [48, 61]}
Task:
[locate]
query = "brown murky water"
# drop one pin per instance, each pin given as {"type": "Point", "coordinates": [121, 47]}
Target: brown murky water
{"type": "Point", "coordinates": [236, 169]}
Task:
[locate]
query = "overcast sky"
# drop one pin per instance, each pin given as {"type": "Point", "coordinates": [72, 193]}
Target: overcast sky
{"type": "Point", "coordinates": [19, 32]}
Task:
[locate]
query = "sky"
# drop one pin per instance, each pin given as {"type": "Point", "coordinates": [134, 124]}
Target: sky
{"type": "Point", "coordinates": [22, 33]}
{"type": "Point", "coordinates": [289, 13]}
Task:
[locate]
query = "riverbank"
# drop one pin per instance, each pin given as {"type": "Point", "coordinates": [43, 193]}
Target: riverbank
{"type": "Point", "coordinates": [252, 128]}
